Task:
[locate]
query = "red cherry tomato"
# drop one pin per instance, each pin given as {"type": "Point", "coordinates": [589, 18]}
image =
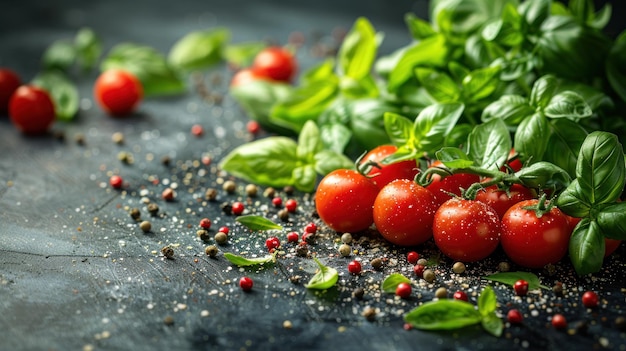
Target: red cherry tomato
{"type": "Point", "coordinates": [534, 242]}
{"type": "Point", "coordinates": [502, 200]}
{"type": "Point", "coordinates": [245, 76]}
{"type": "Point", "coordinates": [404, 212]}
{"type": "Point", "coordinates": [275, 63]}
{"type": "Point", "coordinates": [452, 184]}
{"type": "Point", "coordinates": [31, 110]}
{"type": "Point", "coordinates": [513, 162]}
{"type": "Point", "coordinates": [344, 200]}
{"type": "Point", "coordinates": [118, 92]}
{"type": "Point", "coordinates": [388, 172]}
{"type": "Point", "coordinates": [9, 82]}
{"type": "Point", "coordinates": [466, 230]}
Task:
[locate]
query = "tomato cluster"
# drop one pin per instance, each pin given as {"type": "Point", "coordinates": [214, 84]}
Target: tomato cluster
{"type": "Point", "coordinates": [273, 63]}
{"type": "Point", "coordinates": [531, 231]}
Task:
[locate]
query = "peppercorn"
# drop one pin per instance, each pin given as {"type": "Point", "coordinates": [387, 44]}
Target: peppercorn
{"type": "Point", "coordinates": [369, 313]}
{"type": "Point", "coordinates": [168, 252]}
{"type": "Point", "coordinates": [168, 194]}
{"type": "Point", "coordinates": [269, 192]}
{"type": "Point", "coordinates": [345, 250]}
{"type": "Point", "coordinates": [221, 238]}
{"type": "Point", "coordinates": [153, 209]}
{"type": "Point", "coordinates": [295, 279]}
{"type": "Point", "coordinates": [168, 320]}
{"type": "Point", "coordinates": [283, 215]}
{"type": "Point", "coordinates": [289, 190]}
{"type": "Point", "coordinates": [211, 251]}
{"type": "Point", "coordinates": [145, 226]}
{"type": "Point", "coordinates": [302, 250]}
{"type": "Point", "coordinates": [227, 208]}
{"type": "Point", "coordinates": [166, 160]}
{"type": "Point", "coordinates": [422, 261]}
{"type": "Point", "coordinates": [251, 190]}
{"type": "Point", "coordinates": [441, 293]}
{"type": "Point", "coordinates": [458, 267]}
{"type": "Point", "coordinates": [557, 289]}
{"type": "Point", "coordinates": [358, 293]}
{"type": "Point", "coordinates": [429, 275]}
{"type": "Point", "coordinates": [346, 238]}
{"type": "Point", "coordinates": [135, 213]}
{"type": "Point", "coordinates": [620, 323]}
{"type": "Point", "coordinates": [80, 139]}
{"type": "Point", "coordinates": [377, 263]}
{"type": "Point", "coordinates": [504, 266]}
{"type": "Point", "coordinates": [125, 157]}
{"type": "Point", "coordinates": [210, 194]}
{"type": "Point", "coordinates": [118, 138]}
{"type": "Point", "coordinates": [203, 234]}
{"type": "Point", "coordinates": [229, 186]}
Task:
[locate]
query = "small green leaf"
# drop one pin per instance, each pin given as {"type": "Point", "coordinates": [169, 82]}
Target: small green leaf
{"type": "Point", "coordinates": [358, 50]}
{"type": "Point", "coordinates": [304, 178]}
{"type": "Point", "coordinates": [611, 218]}
{"type": "Point", "coordinates": [434, 123]}
{"type": "Point", "coordinates": [512, 109]}
{"type": "Point", "coordinates": [246, 262]}
{"type": "Point", "coordinates": [61, 54]}
{"type": "Point", "coordinates": [327, 161]}
{"type": "Point", "coordinates": [63, 92]}
{"type": "Point", "coordinates": [453, 157]}
{"type": "Point", "coordinates": [487, 301]}
{"type": "Point", "coordinates": [88, 48]}
{"type": "Point", "coordinates": [565, 141]}
{"type": "Point", "coordinates": [199, 49]}
{"type": "Point", "coordinates": [510, 278]}
{"type": "Point", "coordinates": [492, 324]}
{"type": "Point", "coordinates": [567, 104]}
{"type": "Point", "coordinates": [615, 68]}
{"type": "Point", "coordinates": [418, 27]}
{"type": "Point", "coordinates": [543, 175]}
{"type": "Point", "coordinates": [444, 314]}
{"type": "Point", "coordinates": [399, 128]}
{"type": "Point", "coordinates": [586, 247]}
{"type": "Point", "coordinates": [325, 277]}
{"type": "Point", "coordinates": [242, 54]}
{"type": "Point", "coordinates": [573, 201]}
{"type": "Point", "coordinates": [531, 138]}
{"type": "Point", "coordinates": [481, 83]}
{"type": "Point", "coordinates": [438, 84]}
{"type": "Point", "coordinates": [543, 90]}
{"type": "Point", "coordinates": [489, 144]}
{"type": "Point", "coordinates": [432, 52]}
{"type": "Point", "coordinates": [391, 282]}
{"type": "Point", "coordinates": [258, 223]}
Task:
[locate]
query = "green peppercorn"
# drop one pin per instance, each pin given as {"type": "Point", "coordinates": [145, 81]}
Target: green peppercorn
{"type": "Point", "coordinates": [346, 238]}
{"type": "Point", "coordinates": [251, 190]}
{"type": "Point", "coordinates": [145, 226]}
{"type": "Point", "coordinates": [377, 263]}
{"type": "Point", "coordinates": [504, 266]}
{"type": "Point", "coordinates": [229, 186]}
{"type": "Point", "coordinates": [422, 261]}
{"type": "Point", "coordinates": [211, 251]}
{"type": "Point", "coordinates": [458, 267]}
{"type": "Point", "coordinates": [441, 293]}
{"type": "Point", "coordinates": [221, 238]}
{"type": "Point", "coordinates": [345, 250]}
{"type": "Point", "coordinates": [429, 275]}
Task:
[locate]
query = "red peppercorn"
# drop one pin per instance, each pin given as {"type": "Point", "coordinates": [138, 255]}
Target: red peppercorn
{"type": "Point", "coordinates": [168, 194]}
{"type": "Point", "coordinates": [590, 299]}
{"type": "Point", "coordinates": [404, 290]}
{"type": "Point", "coordinates": [521, 287]}
{"type": "Point", "coordinates": [277, 202]}
{"type": "Point", "coordinates": [272, 243]}
{"type": "Point", "coordinates": [354, 267]}
{"type": "Point", "coordinates": [116, 181]}
{"type": "Point", "coordinates": [291, 205]}
{"type": "Point", "coordinates": [245, 283]}
{"type": "Point", "coordinates": [205, 223]}
{"type": "Point", "coordinates": [412, 257]}
{"type": "Point", "coordinates": [310, 228]}
{"type": "Point", "coordinates": [418, 269]}
{"type": "Point", "coordinates": [559, 321]}
{"type": "Point", "coordinates": [224, 229]}
{"type": "Point", "coordinates": [514, 316]}
{"type": "Point", "coordinates": [253, 127]}
{"type": "Point", "coordinates": [197, 130]}
{"type": "Point", "coordinates": [293, 237]}
{"type": "Point", "coordinates": [460, 295]}
{"type": "Point", "coordinates": [237, 208]}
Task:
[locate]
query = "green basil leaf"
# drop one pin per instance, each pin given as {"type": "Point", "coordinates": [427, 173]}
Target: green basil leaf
{"type": "Point", "coordinates": [458, 135]}
{"type": "Point", "coordinates": [242, 54]}
{"type": "Point", "coordinates": [199, 49]}
{"type": "Point", "coordinates": [457, 70]}
{"type": "Point", "coordinates": [583, 10]}
{"type": "Point", "coordinates": [63, 92]}
{"type": "Point", "coordinates": [367, 121]}
{"type": "Point", "coordinates": [309, 142]}
{"type": "Point", "coordinates": [391, 282]}
{"type": "Point", "coordinates": [88, 48]}
{"type": "Point", "coordinates": [600, 169]}
{"type": "Point", "coordinates": [257, 223]}
{"type": "Point", "coordinates": [544, 175]}
{"type": "Point", "coordinates": [573, 201]}
{"type": "Point", "coordinates": [60, 55]}
{"type": "Point", "coordinates": [480, 52]}
{"type": "Point", "coordinates": [487, 301]}
{"type": "Point", "coordinates": [565, 141]}
{"type": "Point", "coordinates": [453, 157]}
{"type": "Point", "coordinates": [269, 161]}
{"type": "Point", "coordinates": [246, 262]}
{"type": "Point", "coordinates": [509, 278]}
{"type": "Point", "coordinates": [595, 98]}
{"type": "Point", "coordinates": [358, 50]}
{"type": "Point", "coordinates": [567, 104]}
{"type": "Point", "coordinates": [303, 104]}
{"type": "Point", "coordinates": [304, 178]}
{"type": "Point", "coordinates": [321, 71]}
{"type": "Point", "coordinates": [430, 52]}
{"type": "Point", "coordinates": [438, 84]}
{"type": "Point", "coordinates": [512, 109]}
{"type": "Point", "coordinates": [363, 88]}
{"type": "Point", "coordinates": [335, 136]}
{"type": "Point", "coordinates": [461, 17]}
{"type": "Point", "coordinates": [444, 314]}
{"type": "Point", "coordinates": [481, 83]}
{"type": "Point", "coordinates": [507, 29]}
{"type": "Point", "coordinates": [327, 161]}
{"type": "Point", "coordinates": [586, 247]}
{"type": "Point", "coordinates": [258, 97]}
{"type": "Point", "coordinates": [489, 144]}
{"type": "Point", "coordinates": [325, 278]}
{"type": "Point", "coordinates": [611, 218]}
{"type": "Point", "coordinates": [149, 65]}
{"type": "Point", "coordinates": [602, 17]}
{"type": "Point", "coordinates": [492, 324]}
{"type": "Point", "coordinates": [535, 12]}
{"type": "Point", "coordinates": [399, 129]}
{"type": "Point", "coordinates": [615, 68]}
{"type": "Point", "coordinates": [418, 27]}
{"type": "Point", "coordinates": [531, 138]}
{"type": "Point", "coordinates": [433, 124]}
{"type": "Point", "coordinates": [542, 91]}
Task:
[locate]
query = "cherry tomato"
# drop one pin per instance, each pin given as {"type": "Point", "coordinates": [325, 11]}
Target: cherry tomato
{"type": "Point", "coordinates": [245, 76]}
{"type": "Point", "coordinates": [502, 200]}
{"type": "Point", "coordinates": [404, 212]}
{"type": "Point", "coordinates": [388, 172]}
{"type": "Point", "coordinates": [452, 184]}
{"type": "Point", "coordinates": [118, 92]}
{"type": "Point", "coordinates": [275, 63]}
{"type": "Point", "coordinates": [534, 242]}
{"type": "Point", "coordinates": [9, 82]}
{"type": "Point", "coordinates": [513, 162]}
{"type": "Point", "coordinates": [466, 230]}
{"type": "Point", "coordinates": [344, 200]}
{"type": "Point", "coordinates": [31, 110]}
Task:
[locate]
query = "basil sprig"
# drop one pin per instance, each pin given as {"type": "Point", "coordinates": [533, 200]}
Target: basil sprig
{"type": "Point", "coordinates": [325, 278]}
{"type": "Point", "coordinates": [254, 222]}
{"type": "Point", "coordinates": [63, 92]}
{"type": "Point", "coordinates": [199, 49]}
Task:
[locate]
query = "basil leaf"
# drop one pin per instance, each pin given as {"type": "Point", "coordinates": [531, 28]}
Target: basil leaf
{"type": "Point", "coordinates": [586, 247]}
{"type": "Point", "coordinates": [149, 65]}
{"type": "Point", "coordinates": [358, 50]}
{"type": "Point", "coordinates": [509, 278]}
{"type": "Point", "coordinates": [242, 54]}
{"type": "Point", "coordinates": [543, 175]}
{"type": "Point", "coordinates": [489, 144]}
{"type": "Point", "coordinates": [492, 324]}
{"type": "Point", "coordinates": [325, 278]}
{"type": "Point", "coordinates": [461, 17]}
{"type": "Point", "coordinates": [399, 129]}
{"type": "Point", "coordinates": [444, 314]}
{"type": "Point", "coordinates": [481, 83]}
{"type": "Point", "coordinates": [418, 27]}
{"type": "Point", "coordinates": [431, 52]}
{"type": "Point", "coordinates": [573, 201]}
{"type": "Point", "coordinates": [88, 48]}
{"type": "Point", "coordinates": [321, 71]}
{"type": "Point", "coordinates": [258, 97]}
{"type": "Point", "coordinates": [327, 161]}
{"type": "Point", "coordinates": [303, 104]}
{"type": "Point", "coordinates": [512, 109]}
{"type": "Point", "coordinates": [269, 161]}
{"type": "Point", "coordinates": [487, 302]}
{"type": "Point", "coordinates": [534, 12]}
{"type": "Point", "coordinates": [438, 84]}
{"type": "Point", "coordinates": [565, 141]}
{"type": "Point", "coordinates": [199, 49]}
{"type": "Point", "coordinates": [600, 169]}
{"type": "Point", "coordinates": [392, 281]}
{"type": "Point", "coordinates": [615, 68]}
{"type": "Point", "coordinates": [367, 121]}
{"type": "Point", "coordinates": [309, 142]}
{"type": "Point", "coordinates": [453, 157]}
{"type": "Point", "coordinates": [542, 91]}
{"type": "Point", "coordinates": [304, 178]}
{"type": "Point", "coordinates": [433, 124]}
{"type": "Point", "coordinates": [246, 262]}
{"type": "Point", "coordinates": [257, 223]}
{"type": "Point", "coordinates": [61, 54]}
{"type": "Point", "coordinates": [531, 138]}
{"type": "Point", "coordinates": [63, 92]}
{"type": "Point", "coordinates": [458, 135]}
{"type": "Point", "coordinates": [335, 136]}
{"type": "Point", "coordinates": [611, 219]}
{"type": "Point", "coordinates": [567, 104]}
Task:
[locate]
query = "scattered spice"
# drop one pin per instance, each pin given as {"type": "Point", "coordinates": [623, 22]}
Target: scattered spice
{"type": "Point", "coordinates": [211, 251]}
{"type": "Point", "coordinates": [167, 252]}
{"type": "Point", "coordinates": [135, 213]}
{"type": "Point", "coordinates": [441, 293]}
{"type": "Point", "coordinates": [153, 209]}
{"type": "Point", "coordinates": [118, 138]}
{"type": "Point", "coordinates": [369, 313]}
{"type": "Point", "coordinates": [252, 190]}
{"type": "Point", "coordinates": [377, 263]}
{"type": "Point", "coordinates": [429, 275]}
{"type": "Point", "coordinates": [145, 226]}
{"type": "Point", "coordinates": [221, 238]}
{"type": "Point", "coordinates": [210, 194]}
{"type": "Point", "coordinates": [229, 186]}
{"type": "Point", "coordinates": [203, 234]}
{"type": "Point", "coordinates": [345, 250]}
{"type": "Point", "coordinates": [458, 267]}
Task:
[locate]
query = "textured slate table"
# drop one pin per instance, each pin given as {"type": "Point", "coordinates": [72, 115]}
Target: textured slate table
{"type": "Point", "coordinates": [76, 272]}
